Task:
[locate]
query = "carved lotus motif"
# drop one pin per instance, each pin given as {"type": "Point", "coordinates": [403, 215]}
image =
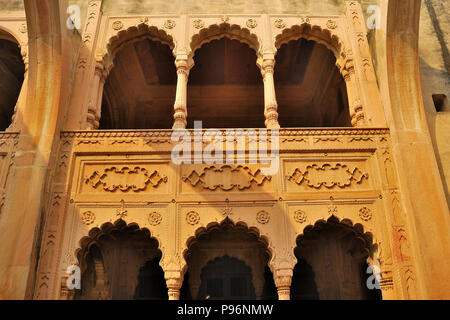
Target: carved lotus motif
{"type": "Point", "coordinates": [192, 218]}
{"type": "Point", "coordinates": [169, 24]}
{"type": "Point", "coordinates": [251, 23]}
{"type": "Point", "coordinates": [117, 25]}
{"type": "Point", "coordinates": [331, 24]}
{"type": "Point", "coordinates": [154, 218]}
{"type": "Point", "coordinates": [279, 23]}
{"type": "Point", "coordinates": [300, 216]}
{"type": "Point", "coordinates": [263, 217]}
{"type": "Point", "coordinates": [365, 214]}
{"type": "Point", "coordinates": [88, 217]}
{"type": "Point", "coordinates": [198, 23]}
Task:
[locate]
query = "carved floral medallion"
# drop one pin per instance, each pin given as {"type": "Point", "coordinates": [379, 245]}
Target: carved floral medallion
{"type": "Point", "coordinates": [88, 217]}
{"type": "Point", "coordinates": [251, 23]}
{"type": "Point", "coordinates": [117, 25]}
{"type": "Point", "coordinates": [365, 214]}
{"type": "Point", "coordinates": [192, 218]}
{"type": "Point", "coordinates": [154, 218]}
{"type": "Point", "coordinates": [198, 23]}
{"type": "Point", "coordinates": [300, 216]}
{"type": "Point", "coordinates": [263, 217]}
{"type": "Point", "coordinates": [279, 23]}
{"type": "Point", "coordinates": [169, 24]}
{"type": "Point", "coordinates": [331, 24]}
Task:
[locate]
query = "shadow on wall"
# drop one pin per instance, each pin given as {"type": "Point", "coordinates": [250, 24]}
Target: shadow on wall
{"type": "Point", "coordinates": [433, 82]}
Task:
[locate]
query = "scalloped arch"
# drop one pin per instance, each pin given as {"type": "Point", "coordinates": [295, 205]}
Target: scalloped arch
{"type": "Point", "coordinates": [368, 237]}
{"type": "Point", "coordinates": [134, 34]}
{"type": "Point", "coordinates": [264, 239]}
{"type": "Point", "coordinates": [311, 32]}
{"type": "Point", "coordinates": [224, 30]}
{"type": "Point", "coordinates": [105, 229]}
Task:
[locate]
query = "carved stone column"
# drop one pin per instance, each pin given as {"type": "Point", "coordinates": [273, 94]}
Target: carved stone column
{"type": "Point", "coordinates": [95, 97]}
{"type": "Point", "coordinates": [174, 280]}
{"type": "Point", "coordinates": [354, 101]}
{"type": "Point", "coordinates": [283, 279]}
{"type": "Point", "coordinates": [180, 106]}
{"type": "Point", "coordinates": [270, 101]}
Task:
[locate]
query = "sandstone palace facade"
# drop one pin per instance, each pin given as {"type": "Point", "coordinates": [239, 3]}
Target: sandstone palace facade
{"type": "Point", "coordinates": [353, 95]}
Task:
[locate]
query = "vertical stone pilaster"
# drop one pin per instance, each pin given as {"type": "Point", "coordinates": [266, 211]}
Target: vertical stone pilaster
{"type": "Point", "coordinates": [95, 97]}
{"type": "Point", "coordinates": [353, 92]}
{"type": "Point", "coordinates": [85, 75]}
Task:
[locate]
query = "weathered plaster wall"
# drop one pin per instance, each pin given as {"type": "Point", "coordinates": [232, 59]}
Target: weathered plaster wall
{"type": "Point", "coordinates": [434, 41]}
{"type": "Point", "coordinates": [227, 7]}
{"type": "Point", "coordinates": [9, 6]}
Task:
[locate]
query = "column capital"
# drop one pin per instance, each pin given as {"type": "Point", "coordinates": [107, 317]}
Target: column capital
{"type": "Point", "coordinates": [174, 281]}
{"type": "Point", "coordinates": [283, 280]}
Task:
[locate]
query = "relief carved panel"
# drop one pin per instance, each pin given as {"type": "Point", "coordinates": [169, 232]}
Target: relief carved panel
{"type": "Point", "coordinates": [122, 178]}
{"type": "Point", "coordinates": [133, 178]}
{"type": "Point", "coordinates": [322, 176]}
{"type": "Point", "coordinates": [224, 177]}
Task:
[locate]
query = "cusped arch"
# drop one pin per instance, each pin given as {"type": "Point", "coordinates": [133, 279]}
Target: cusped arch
{"type": "Point", "coordinates": [263, 238]}
{"type": "Point", "coordinates": [225, 30]}
{"type": "Point", "coordinates": [134, 34]}
{"type": "Point", "coordinates": [311, 32]}
{"type": "Point", "coordinates": [105, 229]}
{"type": "Point", "coordinates": [370, 241]}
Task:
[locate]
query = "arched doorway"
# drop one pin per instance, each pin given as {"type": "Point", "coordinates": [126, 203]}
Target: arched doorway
{"type": "Point", "coordinates": [120, 261]}
{"type": "Point", "coordinates": [228, 261]}
{"type": "Point", "coordinates": [226, 81]}
{"type": "Point", "coordinates": [12, 70]}
{"type": "Point", "coordinates": [311, 91]}
{"type": "Point", "coordinates": [332, 263]}
{"type": "Point", "coordinates": [139, 92]}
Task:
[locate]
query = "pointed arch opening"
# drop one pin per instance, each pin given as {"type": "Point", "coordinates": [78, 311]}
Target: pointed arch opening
{"type": "Point", "coordinates": [12, 72]}
{"type": "Point", "coordinates": [228, 261]}
{"type": "Point", "coordinates": [225, 88]}
{"type": "Point", "coordinates": [120, 262]}
{"type": "Point", "coordinates": [311, 92]}
{"type": "Point", "coordinates": [332, 262]}
{"type": "Point", "coordinates": [139, 91]}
